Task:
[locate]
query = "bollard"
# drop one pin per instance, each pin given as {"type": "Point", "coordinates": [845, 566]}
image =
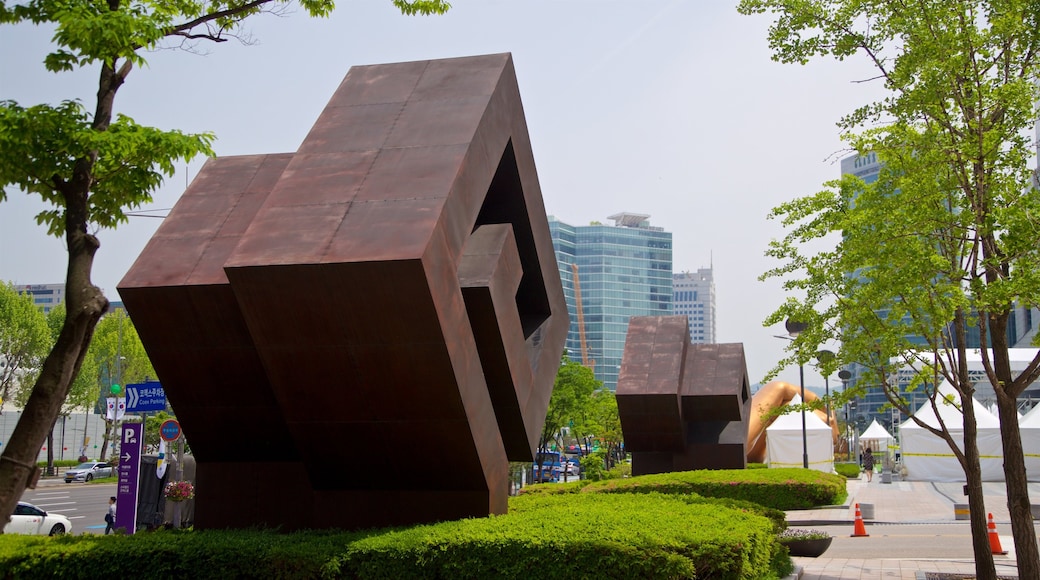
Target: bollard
{"type": "Point", "coordinates": [961, 511]}
{"type": "Point", "coordinates": [867, 509]}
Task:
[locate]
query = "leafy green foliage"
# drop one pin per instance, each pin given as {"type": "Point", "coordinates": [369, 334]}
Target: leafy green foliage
{"type": "Point", "coordinates": [24, 339]}
{"type": "Point", "coordinates": [424, 7]}
{"type": "Point", "coordinates": [593, 465]}
{"type": "Point", "coordinates": [41, 145]}
{"type": "Point", "coordinates": [570, 401]}
{"type": "Point", "coordinates": [119, 353]}
{"type": "Point", "coordinates": [945, 238]}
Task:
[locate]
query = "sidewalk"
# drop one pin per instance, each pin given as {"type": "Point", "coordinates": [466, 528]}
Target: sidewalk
{"type": "Point", "coordinates": [904, 502]}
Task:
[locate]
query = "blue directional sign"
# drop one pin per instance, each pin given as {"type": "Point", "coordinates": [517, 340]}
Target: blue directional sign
{"type": "Point", "coordinates": [145, 397]}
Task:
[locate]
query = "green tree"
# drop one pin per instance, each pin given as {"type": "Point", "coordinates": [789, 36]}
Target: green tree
{"type": "Point", "coordinates": [945, 239]}
{"type": "Point", "coordinates": [120, 359]}
{"type": "Point", "coordinates": [24, 340]}
{"type": "Point", "coordinates": [93, 166]}
{"type": "Point", "coordinates": [601, 423]}
{"type": "Point", "coordinates": [572, 391]}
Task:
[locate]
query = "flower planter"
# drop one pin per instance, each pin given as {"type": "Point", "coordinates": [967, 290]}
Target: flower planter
{"type": "Point", "coordinates": [808, 548]}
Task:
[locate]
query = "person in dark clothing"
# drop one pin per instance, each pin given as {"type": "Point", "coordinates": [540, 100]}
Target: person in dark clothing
{"type": "Point", "coordinates": [868, 464]}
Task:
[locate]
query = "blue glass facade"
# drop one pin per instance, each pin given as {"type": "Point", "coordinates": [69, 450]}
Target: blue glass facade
{"type": "Point", "coordinates": [624, 270]}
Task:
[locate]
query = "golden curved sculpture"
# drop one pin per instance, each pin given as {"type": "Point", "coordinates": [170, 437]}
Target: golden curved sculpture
{"type": "Point", "coordinates": [773, 396]}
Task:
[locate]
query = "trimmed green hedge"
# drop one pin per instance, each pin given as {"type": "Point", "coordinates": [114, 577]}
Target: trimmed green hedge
{"type": "Point", "coordinates": [653, 526]}
{"type": "Point", "coordinates": [781, 489]}
{"type": "Point", "coordinates": [581, 536]}
{"type": "Point", "coordinates": [170, 554]}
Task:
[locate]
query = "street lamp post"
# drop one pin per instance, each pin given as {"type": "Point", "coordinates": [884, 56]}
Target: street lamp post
{"type": "Point", "coordinates": [845, 375]}
{"type": "Point", "coordinates": [824, 357]}
{"type": "Point", "coordinates": [794, 329]}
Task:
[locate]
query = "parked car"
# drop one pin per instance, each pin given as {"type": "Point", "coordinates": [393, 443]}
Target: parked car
{"type": "Point", "coordinates": [572, 467]}
{"type": "Point", "coordinates": [29, 519]}
{"type": "Point", "coordinates": [88, 471]}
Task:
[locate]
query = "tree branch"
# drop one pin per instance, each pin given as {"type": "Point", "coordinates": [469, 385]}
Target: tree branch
{"type": "Point", "coordinates": [181, 29]}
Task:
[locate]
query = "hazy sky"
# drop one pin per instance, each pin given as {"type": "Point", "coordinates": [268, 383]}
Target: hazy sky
{"type": "Point", "coordinates": [669, 108]}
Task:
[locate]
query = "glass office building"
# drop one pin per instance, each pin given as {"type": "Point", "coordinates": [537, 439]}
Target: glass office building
{"type": "Point", "coordinates": [623, 270]}
{"type": "Point", "coordinates": [694, 296]}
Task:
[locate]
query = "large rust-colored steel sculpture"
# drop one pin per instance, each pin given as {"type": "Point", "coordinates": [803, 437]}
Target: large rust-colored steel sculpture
{"type": "Point", "coordinates": [365, 332]}
{"type": "Point", "coordinates": [682, 406]}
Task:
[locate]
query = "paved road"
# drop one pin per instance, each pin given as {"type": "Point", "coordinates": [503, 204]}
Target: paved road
{"type": "Point", "coordinates": [84, 504]}
{"type": "Point", "coordinates": [913, 532]}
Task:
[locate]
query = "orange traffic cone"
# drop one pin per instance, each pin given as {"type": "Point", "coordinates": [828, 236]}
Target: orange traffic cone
{"type": "Point", "coordinates": [859, 531]}
{"type": "Point", "coordinates": [994, 539]}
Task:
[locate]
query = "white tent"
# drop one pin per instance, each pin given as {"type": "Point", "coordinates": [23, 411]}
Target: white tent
{"type": "Point", "coordinates": [877, 438]}
{"type": "Point", "coordinates": [784, 441]}
{"type": "Point", "coordinates": [927, 457]}
{"type": "Point", "coordinates": [1029, 427]}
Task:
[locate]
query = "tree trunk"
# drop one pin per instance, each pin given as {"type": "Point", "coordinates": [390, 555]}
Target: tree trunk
{"type": "Point", "coordinates": [84, 306]}
{"type": "Point", "coordinates": [1017, 484]}
{"type": "Point", "coordinates": [1015, 478]}
{"type": "Point", "coordinates": [985, 569]}
{"type": "Point", "coordinates": [104, 441]}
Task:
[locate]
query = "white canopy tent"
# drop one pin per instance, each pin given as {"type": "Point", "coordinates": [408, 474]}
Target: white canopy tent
{"type": "Point", "coordinates": [877, 438]}
{"type": "Point", "coordinates": [1029, 427]}
{"type": "Point", "coordinates": [927, 457]}
{"type": "Point", "coordinates": [784, 441]}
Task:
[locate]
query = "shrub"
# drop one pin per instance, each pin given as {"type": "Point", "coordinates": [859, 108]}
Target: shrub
{"type": "Point", "coordinates": [620, 471]}
{"type": "Point", "coordinates": [636, 536]}
{"type": "Point", "coordinates": [604, 535]}
{"type": "Point", "coordinates": [782, 489]}
{"type": "Point", "coordinates": [848, 470]}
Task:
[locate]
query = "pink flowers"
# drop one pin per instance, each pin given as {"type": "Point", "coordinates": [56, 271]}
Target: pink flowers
{"type": "Point", "coordinates": [179, 490]}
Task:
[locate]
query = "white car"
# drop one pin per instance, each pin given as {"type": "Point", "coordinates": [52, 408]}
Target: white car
{"type": "Point", "coordinates": [572, 467]}
{"type": "Point", "coordinates": [29, 519]}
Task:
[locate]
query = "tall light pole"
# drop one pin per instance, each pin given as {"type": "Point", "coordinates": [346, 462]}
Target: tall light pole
{"type": "Point", "coordinates": [845, 375]}
{"type": "Point", "coordinates": [824, 357]}
{"type": "Point", "coordinates": [794, 329]}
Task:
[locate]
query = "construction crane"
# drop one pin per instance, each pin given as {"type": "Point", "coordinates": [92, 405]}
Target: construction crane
{"type": "Point", "coordinates": [585, 360]}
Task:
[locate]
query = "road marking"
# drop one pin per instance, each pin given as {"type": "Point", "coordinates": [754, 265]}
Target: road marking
{"type": "Point", "coordinates": [43, 505]}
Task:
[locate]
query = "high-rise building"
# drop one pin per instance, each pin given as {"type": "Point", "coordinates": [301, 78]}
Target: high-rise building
{"type": "Point", "coordinates": [623, 270]}
{"type": "Point", "coordinates": [45, 296]}
{"type": "Point", "coordinates": [693, 294]}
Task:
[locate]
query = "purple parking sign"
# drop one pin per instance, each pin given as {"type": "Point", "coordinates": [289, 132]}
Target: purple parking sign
{"type": "Point", "coordinates": [130, 444]}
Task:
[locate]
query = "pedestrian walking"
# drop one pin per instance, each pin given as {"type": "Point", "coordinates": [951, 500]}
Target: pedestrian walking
{"type": "Point", "coordinates": [868, 464]}
{"type": "Point", "coordinates": [110, 516]}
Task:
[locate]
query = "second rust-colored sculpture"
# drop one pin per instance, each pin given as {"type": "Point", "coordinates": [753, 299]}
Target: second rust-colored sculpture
{"type": "Point", "coordinates": [362, 333]}
{"type": "Point", "coordinates": [682, 406]}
